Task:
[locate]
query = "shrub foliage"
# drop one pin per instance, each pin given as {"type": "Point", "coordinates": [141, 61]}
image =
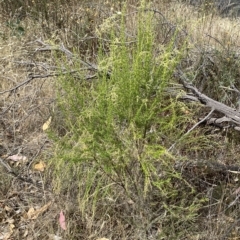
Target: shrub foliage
{"type": "Point", "coordinates": [116, 130]}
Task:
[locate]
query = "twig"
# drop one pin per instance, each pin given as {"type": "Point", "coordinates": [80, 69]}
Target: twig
{"type": "Point", "coordinates": [63, 49]}
{"type": "Point", "coordinates": [225, 236]}
{"type": "Point", "coordinates": [9, 169]}
{"type": "Point", "coordinates": [216, 40]}
{"type": "Point", "coordinates": [34, 157]}
{"type": "Point", "coordinates": [191, 129]}
{"type": "Point", "coordinates": [32, 77]}
{"type": "Point", "coordinates": [14, 174]}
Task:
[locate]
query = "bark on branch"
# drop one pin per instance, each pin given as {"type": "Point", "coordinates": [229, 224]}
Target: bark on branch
{"type": "Point", "coordinates": [231, 115]}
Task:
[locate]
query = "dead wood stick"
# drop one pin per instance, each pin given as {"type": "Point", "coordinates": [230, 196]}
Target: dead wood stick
{"type": "Point", "coordinates": [229, 112]}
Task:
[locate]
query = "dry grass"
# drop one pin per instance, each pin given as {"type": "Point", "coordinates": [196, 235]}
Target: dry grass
{"type": "Point", "coordinates": [24, 110]}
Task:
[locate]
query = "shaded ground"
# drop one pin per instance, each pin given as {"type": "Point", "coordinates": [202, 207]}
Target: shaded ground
{"type": "Point", "coordinates": [23, 190]}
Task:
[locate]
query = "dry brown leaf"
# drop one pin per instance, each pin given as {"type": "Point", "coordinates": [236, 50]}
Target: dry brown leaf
{"type": "Point", "coordinates": [47, 124]}
{"type": "Point", "coordinates": [8, 209]}
{"type": "Point", "coordinates": [237, 191]}
{"type": "Point", "coordinates": [25, 233]}
{"type": "Point", "coordinates": [33, 214]}
{"type": "Point", "coordinates": [5, 236]}
{"type": "Point", "coordinates": [11, 227]}
{"type": "Point", "coordinates": [40, 166]}
{"type": "Point", "coordinates": [54, 237]}
{"type": "Point", "coordinates": [8, 232]}
{"type": "Point", "coordinates": [10, 220]}
{"type": "Point", "coordinates": [17, 158]}
{"type": "Point", "coordinates": [30, 213]}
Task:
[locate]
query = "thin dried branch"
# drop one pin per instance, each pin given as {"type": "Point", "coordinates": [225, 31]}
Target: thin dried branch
{"type": "Point", "coordinates": [62, 48]}
{"type": "Point", "coordinates": [232, 115]}
{"type": "Point", "coordinates": [191, 129]}
{"type": "Point", "coordinates": [32, 77]}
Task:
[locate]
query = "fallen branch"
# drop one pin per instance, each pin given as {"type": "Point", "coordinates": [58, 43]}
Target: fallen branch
{"type": "Point", "coordinates": [55, 74]}
{"type": "Point", "coordinates": [68, 53]}
{"type": "Point", "coordinates": [30, 78]}
{"type": "Point", "coordinates": [206, 167]}
{"type": "Point", "coordinates": [231, 115]}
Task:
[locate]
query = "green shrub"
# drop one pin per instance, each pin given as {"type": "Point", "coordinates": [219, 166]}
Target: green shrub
{"type": "Point", "coordinates": [116, 129]}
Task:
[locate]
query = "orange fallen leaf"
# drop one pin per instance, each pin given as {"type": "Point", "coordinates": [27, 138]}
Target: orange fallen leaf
{"type": "Point", "coordinates": [40, 166]}
{"type": "Point", "coordinates": [33, 214]}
